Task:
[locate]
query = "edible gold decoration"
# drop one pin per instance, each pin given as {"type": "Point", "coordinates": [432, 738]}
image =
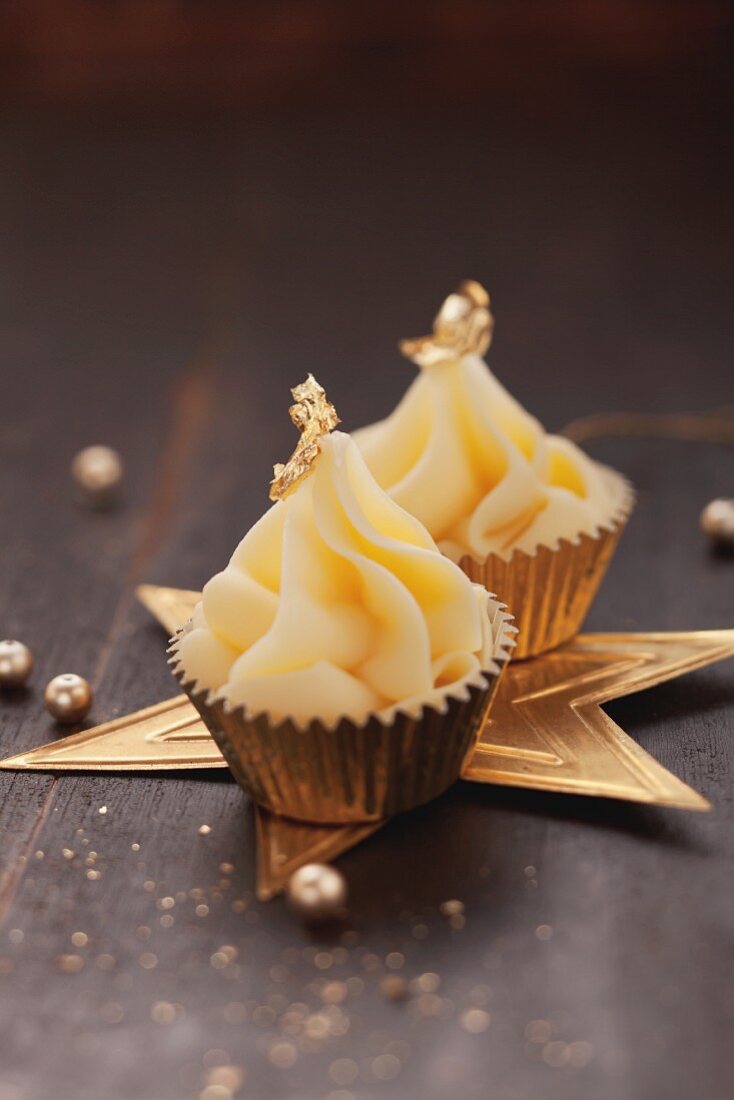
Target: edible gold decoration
{"type": "Point", "coordinates": [462, 326]}
{"type": "Point", "coordinates": [546, 731]}
{"type": "Point", "coordinates": [315, 417]}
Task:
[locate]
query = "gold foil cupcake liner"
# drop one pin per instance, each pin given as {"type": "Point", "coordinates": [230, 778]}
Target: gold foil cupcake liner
{"type": "Point", "coordinates": [348, 772]}
{"type": "Point", "coordinates": [551, 590]}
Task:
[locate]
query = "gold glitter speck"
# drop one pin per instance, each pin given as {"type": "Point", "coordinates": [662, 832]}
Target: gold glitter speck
{"type": "Point", "coordinates": [163, 1012]}
{"type": "Point", "coordinates": [204, 830]}
{"type": "Point", "coordinates": [69, 964]}
{"type": "Point", "coordinates": [474, 1020]}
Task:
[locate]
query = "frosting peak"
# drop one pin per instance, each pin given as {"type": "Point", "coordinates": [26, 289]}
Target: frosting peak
{"type": "Point", "coordinates": [337, 603]}
{"type": "Point", "coordinates": [469, 462]}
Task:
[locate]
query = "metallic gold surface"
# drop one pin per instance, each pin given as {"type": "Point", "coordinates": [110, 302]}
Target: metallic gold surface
{"type": "Point", "coordinates": [315, 417]}
{"type": "Point", "coordinates": [549, 592]}
{"type": "Point", "coordinates": [547, 730]}
{"type": "Point", "coordinates": [165, 737]}
{"type": "Point", "coordinates": [462, 326]}
{"type": "Point", "coordinates": [284, 845]}
{"type": "Point", "coordinates": [350, 773]}
{"type": "Point", "coordinates": [170, 606]}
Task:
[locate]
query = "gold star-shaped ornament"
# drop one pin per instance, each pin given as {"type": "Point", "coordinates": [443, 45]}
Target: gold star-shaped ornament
{"type": "Point", "coordinates": [546, 731]}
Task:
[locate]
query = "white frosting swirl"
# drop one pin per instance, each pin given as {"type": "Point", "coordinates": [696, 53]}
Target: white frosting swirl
{"type": "Point", "coordinates": [338, 603]}
{"type": "Point", "coordinates": [479, 472]}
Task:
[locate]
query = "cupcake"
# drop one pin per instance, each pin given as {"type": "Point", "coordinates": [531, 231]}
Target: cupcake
{"type": "Point", "coordinates": [343, 664]}
{"type": "Point", "coordinates": [527, 514]}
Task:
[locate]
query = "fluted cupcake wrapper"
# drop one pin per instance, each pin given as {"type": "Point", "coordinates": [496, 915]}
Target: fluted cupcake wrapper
{"type": "Point", "coordinates": [348, 772]}
{"type": "Point", "coordinates": [551, 590]}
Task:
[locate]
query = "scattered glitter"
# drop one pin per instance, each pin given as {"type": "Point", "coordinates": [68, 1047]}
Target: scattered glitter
{"type": "Point", "coordinates": [538, 1031]}
{"type": "Point", "coordinates": [142, 932]}
{"type": "Point", "coordinates": [102, 810]}
{"type": "Point", "coordinates": [451, 908]}
{"type": "Point", "coordinates": [317, 1027]}
{"type": "Point", "coordinates": [16, 935]}
{"type": "Point", "coordinates": [216, 1092]}
{"type": "Point", "coordinates": [202, 910]}
{"type": "Point", "coordinates": [371, 961]}
{"type": "Point", "coordinates": [394, 987]}
{"type": "Point", "coordinates": [333, 992]}
{"type": "Point", "coordinates": [543, 932]}
{"type": "Point", "coordinates": [167, 920]}
{"type": "Point", "coordinates": [218, 960]}
{"type": "Point", "coordinates": [457, 921]}
{"type": "Point", "coordinates": [395, 960]}
{"type": "Point", "coordinates": [343, 1071]}
{"type": "Point", "coordinates": [580, 1054]}
{"type": "Point", "coordinates": [68, 853]}
{"type": "Point", "coordinates": [530, 871]}
{"type": "Point", "coordinates": [149, 885]}
{"type": "Point", "coordinates": [426, 983]}
{"type": "Point", "coordinates": [79, 939]}
{"type": "Point", "coordinates": [556, 1054]}
{"type": "Point", "coordinates": [228, 1077]}
{"type": "Point", "coordinates": [282, 1054]}
{"type": "Point", "coordinates": [166, 903]}
{"type": "Point", "coordinates": [204, 830]}
{"type": "Point", "coordinates": [420, 931]}
{"type": "Point", "coordinates": [386, 1067]}
{"type": "Point", "coordinates": [226, 868]}
{"type": "Point", "coordinates": [148, 960]}
{"type": "Point", "coordinates": [163, 1012]}
{"type": "Point", "coordinates": [135, 846]}
{"type": "Point", "coordinates": [105, 961]}
{"type": "Point", "coordinates": [69, 964]}
{"type": "Point", "coordinates": [323, 960]}
{"type": "Point", "coordinates": [40, 854]}
{"type": "Point", "coordinates": [474, 1020]}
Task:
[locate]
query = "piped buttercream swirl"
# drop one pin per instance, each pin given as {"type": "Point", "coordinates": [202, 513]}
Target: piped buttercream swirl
{"type": "Point", "coordinates": [478, 471]}
{"type": "Point", "coordinates": [338, 603]}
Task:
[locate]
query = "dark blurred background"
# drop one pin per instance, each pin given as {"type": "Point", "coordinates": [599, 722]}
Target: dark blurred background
{"type": "Point", "coordinates": [246, 191]}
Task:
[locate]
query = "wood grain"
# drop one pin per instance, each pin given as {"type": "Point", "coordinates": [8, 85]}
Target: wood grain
{"type": "Point", "coordinates": [166, 279]}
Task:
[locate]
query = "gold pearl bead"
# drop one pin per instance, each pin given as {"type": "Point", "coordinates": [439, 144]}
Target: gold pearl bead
{"type": "Point", "coordinates": [317, 893]}
{"type": "Point", "coordinates": [98, 473]}
{"type": "Point", "coordinates": [68, 697]}
{"type": "Point", "coordinates": [717, 520]}
{"type": "Point", "coordinates": [16, 663]}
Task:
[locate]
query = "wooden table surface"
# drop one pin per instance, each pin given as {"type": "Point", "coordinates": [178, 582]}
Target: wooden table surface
{"type": "Point", "coordinates": [165, 278]}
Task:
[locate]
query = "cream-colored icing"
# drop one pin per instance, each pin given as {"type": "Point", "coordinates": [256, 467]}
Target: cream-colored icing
{"type": "Point", "coordinates": [338, 603]}
{"type": "Point", "coordinates": [479, 472]}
